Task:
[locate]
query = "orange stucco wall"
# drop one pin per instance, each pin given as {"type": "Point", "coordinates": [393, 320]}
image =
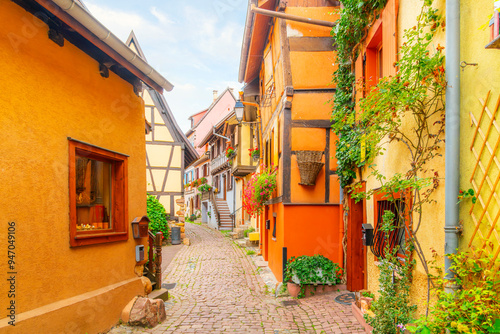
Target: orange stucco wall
{"type": "Point", "coordinates": [297, 228]}
{"type": "Point", "coordinates": [50, 93]}
{"type": "Point", "coordinates": [315, 230]}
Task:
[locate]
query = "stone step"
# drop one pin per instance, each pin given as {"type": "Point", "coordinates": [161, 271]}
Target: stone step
{"type": "Point", "coordinates": [159, 294]}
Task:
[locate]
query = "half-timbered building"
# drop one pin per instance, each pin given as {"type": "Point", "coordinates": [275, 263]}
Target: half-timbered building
{"type": "Point", "coordinates": [287, 67]}
{"type": "Point", "coordinates": [168, 150]}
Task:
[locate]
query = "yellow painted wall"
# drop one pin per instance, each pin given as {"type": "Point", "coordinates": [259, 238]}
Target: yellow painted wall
{"type": "Point", "coordinates": [475, 83]}
{"type": "Point", "coordinates": [167, 154]}
{"type": "Point", "coordinates": [50, 93]}
{"type": "Point", "coordinates": [396, 159]}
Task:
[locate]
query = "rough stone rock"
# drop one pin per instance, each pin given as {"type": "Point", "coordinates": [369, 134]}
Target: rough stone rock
{"type": "Point", "coordinates": [139, 312]}
{"type": "Point", "coordinates": [186, 242]}
{"type": "Point", "coordinates": [162, 314]}
{"type": "Point", "coordinates": [238, 233]}
{"type": "Point", "coordinates": [148, 287]}
{"type": "Point", "coordinates": [147, 312]}
{"type": "Point", "coordinates": [126, 311]}
{"type": "Point", "coordinates": [139, 270]}
{"type": "Point", "coordinates": [183, 235]}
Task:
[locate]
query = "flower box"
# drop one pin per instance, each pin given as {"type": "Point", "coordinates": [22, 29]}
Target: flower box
{"type": "Point", "coordinates": [313, 289]}
{"type": "Point", "coordinates": [358, 314]}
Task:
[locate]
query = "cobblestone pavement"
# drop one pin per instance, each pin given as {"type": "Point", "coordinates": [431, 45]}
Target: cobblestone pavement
{"type": "Point", "coordinates": [219, 290]}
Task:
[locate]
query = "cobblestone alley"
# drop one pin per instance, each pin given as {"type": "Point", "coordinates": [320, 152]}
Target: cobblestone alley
{"type": "Point", "coordinates": [219, 290]}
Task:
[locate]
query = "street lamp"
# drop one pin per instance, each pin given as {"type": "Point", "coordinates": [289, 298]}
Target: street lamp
{"type": "Point", "coordinates": [238, 111]}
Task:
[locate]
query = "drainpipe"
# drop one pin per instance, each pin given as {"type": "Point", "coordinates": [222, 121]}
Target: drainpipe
{"type": "Point", "coordinates": [218, 135]}
{"type": "Point", "coordinates": [452, 151]}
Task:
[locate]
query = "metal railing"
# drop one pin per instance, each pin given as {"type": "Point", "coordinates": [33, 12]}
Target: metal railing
{"type": "Point", "coordinates": [154, 262]}
{"type": "Point", "coordinates": [214, 204]}
{"type": "Point", "coordinates": [218, 161]}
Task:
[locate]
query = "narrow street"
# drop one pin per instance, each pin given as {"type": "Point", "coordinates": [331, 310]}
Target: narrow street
{"type": "Point", "coordinates": [219, 290]}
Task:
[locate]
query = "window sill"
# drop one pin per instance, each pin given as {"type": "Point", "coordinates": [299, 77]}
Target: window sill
{"type": "Point", "coordinates": [494, 44]}
{"type": "Point", "coordinates": [84, 235]}
{"type": "Point", "coordinates": [84, 239]}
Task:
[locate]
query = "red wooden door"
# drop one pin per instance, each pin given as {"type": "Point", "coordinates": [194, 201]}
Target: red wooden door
{"type": "Point", "coordinates": [355, 259]}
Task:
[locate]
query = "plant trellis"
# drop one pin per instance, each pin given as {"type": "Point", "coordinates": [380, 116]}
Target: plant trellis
{"type": "Point", "coordinates": [486, 174]}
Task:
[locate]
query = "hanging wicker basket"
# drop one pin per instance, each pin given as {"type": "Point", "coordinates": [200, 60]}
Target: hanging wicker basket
{"type": "Point", "coordinates": [309, 166]}
{"type": "Point", "coordinates": [309, 170]}
{"type": "Point", "coordinates": [309, 155]}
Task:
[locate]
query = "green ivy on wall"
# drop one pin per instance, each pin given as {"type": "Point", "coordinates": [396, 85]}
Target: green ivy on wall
{"type": "Point", "coordinates": [351, 29]}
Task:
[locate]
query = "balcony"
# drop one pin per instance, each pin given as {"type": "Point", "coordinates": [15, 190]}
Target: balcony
{"type": "Point", "coordinates": [219, 163]}
{"type": "Point", "coordinates": [243, 163]}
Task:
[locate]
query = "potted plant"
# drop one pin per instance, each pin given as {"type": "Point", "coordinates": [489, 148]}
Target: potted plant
{"type": "Point", "coordinates": [259, 190]}
{"type": "Point", "coordinates": [254, 153]}
{"type": "Point", "coordinates": [204, 188]}
{"type": "Point", "coordinates": [230, 152]}
{"type": "Point", "coordinates": [309, 271]}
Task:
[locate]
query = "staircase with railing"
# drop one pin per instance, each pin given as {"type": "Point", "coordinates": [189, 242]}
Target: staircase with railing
{"type": "Point", "coordinates": [215, 206]}
{"type": "Point", "coordinates": [225, 219]}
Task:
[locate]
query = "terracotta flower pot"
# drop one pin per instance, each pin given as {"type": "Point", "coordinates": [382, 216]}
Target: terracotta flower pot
{"type": "Point", "coordinates": [293, 289]}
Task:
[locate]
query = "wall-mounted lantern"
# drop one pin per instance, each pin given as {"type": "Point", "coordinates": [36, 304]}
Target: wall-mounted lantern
{"type": "Point", "coordinates": [238, 111]}
{"type": "Point", "coordinates": [140, 227]}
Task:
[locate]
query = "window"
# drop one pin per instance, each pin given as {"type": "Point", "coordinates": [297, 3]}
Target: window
{"type": "Point", "coordinates": [373, 60]}
{"type": "Point", "coordinates": [216, 182]}
{"type": "Point", "coordinates": [495, 28]}
{"type": "Point", "coordinates": [396, 237]}
{"type": "Point", "coordinates": [380, 63]}
{"type": "Point", "coordinates": [229, 181]}
{"type": "Point", "coordinates": [98, 195]}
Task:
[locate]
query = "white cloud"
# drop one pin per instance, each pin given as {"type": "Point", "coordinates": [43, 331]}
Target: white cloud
{"type": "Point", "coordinates": [121, 22]}
{"type": "Point", "coordinates": [159, 15]}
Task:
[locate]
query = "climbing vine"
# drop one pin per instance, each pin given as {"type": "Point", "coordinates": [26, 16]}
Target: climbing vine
{"type": "Point", "coordinates": [406, 109]}
{"type": "Point", "coordinates": [351, 29]}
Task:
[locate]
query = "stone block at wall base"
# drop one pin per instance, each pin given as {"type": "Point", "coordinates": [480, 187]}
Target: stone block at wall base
{"type": "Point", "coordinates": [311, 290]}
{"type": "Point", "coordinates": [359, 316]}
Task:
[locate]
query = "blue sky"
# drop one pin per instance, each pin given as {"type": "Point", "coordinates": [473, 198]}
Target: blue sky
{"type": "Point", "coordinates": [195, 44]}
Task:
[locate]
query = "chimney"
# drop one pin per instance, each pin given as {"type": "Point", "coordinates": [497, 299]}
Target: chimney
{"type": "Point", "coordinates": [215, 95]}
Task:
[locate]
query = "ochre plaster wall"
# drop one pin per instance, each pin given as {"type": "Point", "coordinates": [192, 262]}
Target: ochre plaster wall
{"type": "Point", "coordinates": [396, 159]}
{"type": "Point", "coordinates": [50, 93]}
{"type": "Point", "coordinates": [475, 83]}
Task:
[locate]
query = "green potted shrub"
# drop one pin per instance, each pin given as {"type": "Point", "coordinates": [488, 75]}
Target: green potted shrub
{"type": "Point", "coordinates": [310, 270]}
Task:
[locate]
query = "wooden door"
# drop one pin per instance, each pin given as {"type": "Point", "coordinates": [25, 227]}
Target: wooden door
{"type": "Point", "coordinates": [355, 259]}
